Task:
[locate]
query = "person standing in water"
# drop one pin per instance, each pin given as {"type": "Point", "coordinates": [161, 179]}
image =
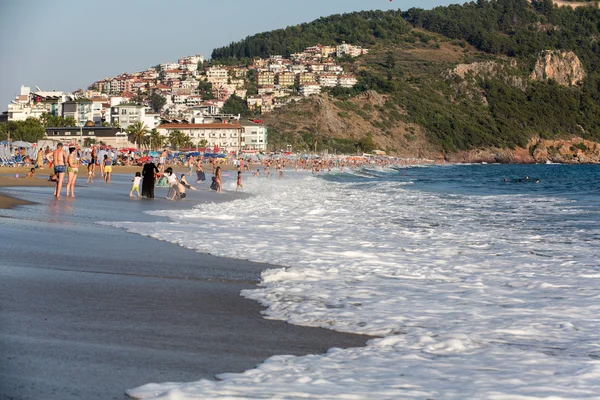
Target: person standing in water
{"type": "Point", "coordinates": [107, 168]}
{"type": "Point", "coordinates": [239, 181]}
{"type": "Point", "coordinates": [218, 179]}
{"type": "Point", "coordinates": [72, 170]}
{"type": "Point", "coordinates": [136, 184]}
{"type": "Point", "coordinates": [59, 159]}
{"type": "Point", "coordinates": [149, 175]}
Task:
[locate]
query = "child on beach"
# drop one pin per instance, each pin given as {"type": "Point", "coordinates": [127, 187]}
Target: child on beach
{"type": "Point", "coordinates": [107, 168]}
{"type": "Point", "coordinates": [173, 185]}
{"type": "Point", "coordinates": [90, 172]}
{"type": "Point", "coordinates": [137, 179]}
{"type": "Point", "coordinates": [239, 181]}
{"type": "Point", "coordinates": [183, 182]}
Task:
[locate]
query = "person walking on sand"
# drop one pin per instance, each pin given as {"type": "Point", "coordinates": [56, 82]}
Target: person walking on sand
{"type": "Point", "coordinates": [59, 159]}
{"type": "Point", "coordinates": [136, 184]}
{"type": "Point", "coordinates": [48, 157]}
{"type": "Point", "coordinates": [72, 170]}
{"type": "Point", "coordinates": [239, 181]}
{"type": "Point", "coordinates": [107, 168]}
{"type": "Point", "coordinates": [39, 160]}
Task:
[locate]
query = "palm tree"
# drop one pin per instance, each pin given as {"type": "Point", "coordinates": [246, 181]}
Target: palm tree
{"type": "Point", "coordinates": [158, 140]}
{"type": "Point", "coordinates": [136, 132]}
{"type": "Point", "coordinates": [178, 138]}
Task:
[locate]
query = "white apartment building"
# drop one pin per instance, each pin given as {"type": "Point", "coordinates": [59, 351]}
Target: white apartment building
{"type": "Point", "coordinates": [216, 74]}
{"type": "Point", "coordinates": [328, 80]}
{"type": "Point", "coordinates": [151, 120]}
{"type": "Point", "coordinates": [347, 81]}
{"type": "Point", "coordinates": [227, 137]}
{"type": "Point", "coordinates": [297, 69]}
{"type": "Point", "coordinates": [277, 68]}
{"type": "Point", "coordinates": [173, 74]}
{"type": "Point", "coordinates": [335, 69]}
{"type": "Point", "coordinates": [309, 90]}
{"type": "Point", "coordinates": [127, 114]}
{"type": "Point", "coordinates": [191, 59]}
{"type": "Point", "coordinates": [254, 136]}
{"type": "Point", "coordinates": [29, 104]}
{"type": "Point", "coordinates": [80, 110]}
{"type": "Point", "coordinates": [353, 51]}
{"type": "Point", "coordinates": [168, 66]}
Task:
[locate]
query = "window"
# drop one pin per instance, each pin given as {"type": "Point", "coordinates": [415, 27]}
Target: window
{"type": "Point", "coordinates": [123, 112]}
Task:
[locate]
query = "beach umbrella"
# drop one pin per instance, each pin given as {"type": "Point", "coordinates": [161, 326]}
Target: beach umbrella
{"type": "Point", "coordinates": [20, 143]}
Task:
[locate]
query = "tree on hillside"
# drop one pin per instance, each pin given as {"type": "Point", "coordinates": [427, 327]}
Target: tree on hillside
{"type": "Point", "coordinates": [158, 101]}
{"type": "Point", "coordinates": [367, 144]}
{"type": "Point", "coordinates": [138, 98]}
{"type": "Point", "coordinates": [235, 105]}
{"type": "Point", "coordinates": [205, 89]}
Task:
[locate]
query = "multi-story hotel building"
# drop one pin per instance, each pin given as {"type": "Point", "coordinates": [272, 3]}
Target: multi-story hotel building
{"type": "Point", "coordinates": [286, 78]}
{"type": "Point", "coordinates": [266, 78]}
{"type": "Point", "coordinates": [227, 137]}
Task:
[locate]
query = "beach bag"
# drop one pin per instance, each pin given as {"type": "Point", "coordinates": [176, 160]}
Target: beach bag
{"type": "Point", "coordinates": [213, 185]}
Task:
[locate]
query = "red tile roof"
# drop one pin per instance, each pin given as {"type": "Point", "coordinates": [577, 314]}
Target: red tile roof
{"type": "Point", "coordinates": [200, 126]}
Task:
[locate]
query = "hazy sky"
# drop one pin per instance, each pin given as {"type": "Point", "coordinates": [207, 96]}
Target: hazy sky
{"type": "Point", "coordinates": [68, 44]}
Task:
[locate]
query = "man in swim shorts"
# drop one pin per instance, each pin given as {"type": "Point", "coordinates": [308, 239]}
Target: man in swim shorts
{"type": "Point", "coordinates": [60, 167]}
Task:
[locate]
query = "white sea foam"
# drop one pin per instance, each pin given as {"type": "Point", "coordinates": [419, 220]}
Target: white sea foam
{"type": "Point", "coordinates": [476, 296]}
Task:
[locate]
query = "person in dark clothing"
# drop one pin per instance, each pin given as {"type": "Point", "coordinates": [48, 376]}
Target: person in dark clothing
{"type": "Point", "coordinates": [149, 173]}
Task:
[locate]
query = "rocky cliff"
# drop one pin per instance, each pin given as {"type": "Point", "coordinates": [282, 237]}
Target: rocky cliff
{"type": "Point", "coordinates": [562, 66]}
{"type": "Point", "coordinates": [568, 151]}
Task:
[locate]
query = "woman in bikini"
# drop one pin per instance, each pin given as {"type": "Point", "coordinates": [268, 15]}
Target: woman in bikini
{"type": "Point", "coordinates": [72, 170]}
{"type": "Point", "coordinates": [218, 179]}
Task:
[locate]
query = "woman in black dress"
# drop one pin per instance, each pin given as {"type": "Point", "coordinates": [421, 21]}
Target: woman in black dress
{"type": "Point", "coordinates": [149, 173]}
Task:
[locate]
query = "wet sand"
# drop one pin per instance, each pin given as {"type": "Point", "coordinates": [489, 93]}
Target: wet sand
{"type": "Point", "coordinates": [88, 311]}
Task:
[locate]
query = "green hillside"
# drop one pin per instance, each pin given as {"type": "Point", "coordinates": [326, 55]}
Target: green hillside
{"type": "Point", "coordinates": [412, 56]}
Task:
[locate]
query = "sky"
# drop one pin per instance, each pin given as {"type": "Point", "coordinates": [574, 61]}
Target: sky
{"type": "Point", "coordinates": [68, 44]}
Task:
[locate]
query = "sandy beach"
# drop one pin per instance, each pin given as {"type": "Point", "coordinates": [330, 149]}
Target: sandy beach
{"type": "Point", "coordinates": [89, 311]}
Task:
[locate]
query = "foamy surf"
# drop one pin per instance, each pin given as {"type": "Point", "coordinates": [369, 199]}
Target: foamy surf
{"type": "Point", "coordinates": [475, 296]}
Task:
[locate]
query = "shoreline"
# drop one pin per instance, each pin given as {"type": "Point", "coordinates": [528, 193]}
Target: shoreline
{"type": "Point", "coordinates": [124, 310]}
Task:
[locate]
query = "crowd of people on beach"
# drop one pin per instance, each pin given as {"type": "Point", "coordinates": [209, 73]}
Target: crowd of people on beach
{"type": "Point", "coordinates": [64, 165]}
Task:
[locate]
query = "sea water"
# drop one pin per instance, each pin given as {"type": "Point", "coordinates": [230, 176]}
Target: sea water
{"type": "Point", "coordinates": [478, 282]}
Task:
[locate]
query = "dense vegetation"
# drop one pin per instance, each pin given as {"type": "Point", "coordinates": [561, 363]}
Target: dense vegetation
{"type": "Point", "coordinates": [360, 28]}
{"type": "Point", "coordinates": [492, 112]}
{"type": "Point", "coordinates": [31, 130]}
